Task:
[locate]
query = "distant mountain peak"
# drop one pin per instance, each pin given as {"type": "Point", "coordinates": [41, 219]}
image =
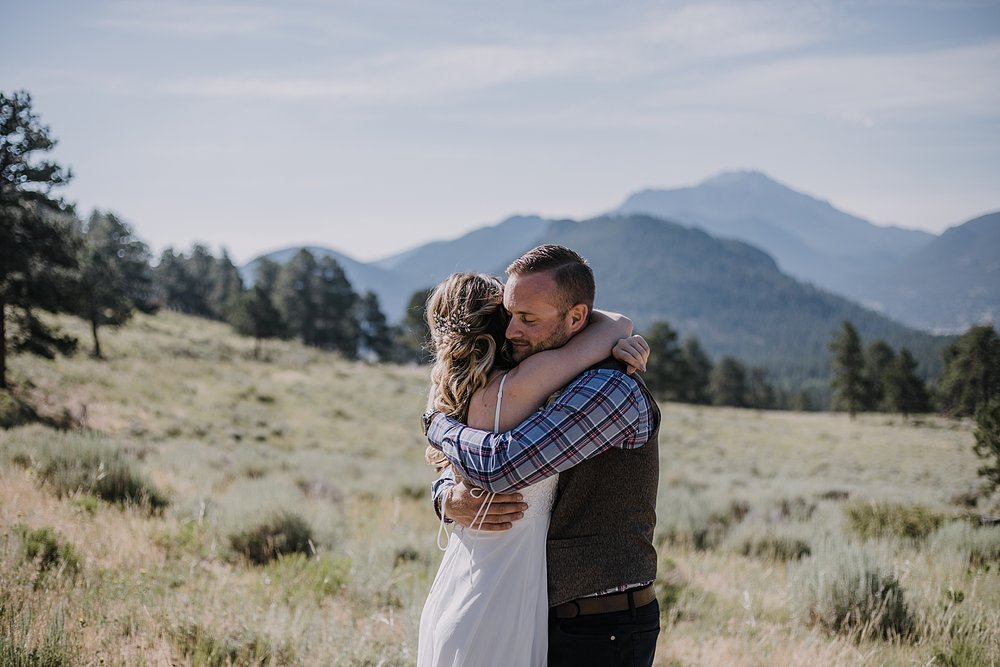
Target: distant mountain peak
{"type": "Point", "coordinates": [746, 177]}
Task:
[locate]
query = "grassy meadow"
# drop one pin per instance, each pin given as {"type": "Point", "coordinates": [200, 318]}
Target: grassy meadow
{"type": "Point", "coordinates": [135, 526]}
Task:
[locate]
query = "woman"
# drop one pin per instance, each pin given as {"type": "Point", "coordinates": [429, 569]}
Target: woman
{"type": "Point", "coordinates": [488, 604]}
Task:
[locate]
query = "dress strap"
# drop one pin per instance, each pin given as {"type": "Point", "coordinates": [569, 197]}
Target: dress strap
{"type": "Point", "coordinates": [496, 417]}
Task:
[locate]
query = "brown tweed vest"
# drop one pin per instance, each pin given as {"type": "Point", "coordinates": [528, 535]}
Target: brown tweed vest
{"type": "Point", "coordinates": [601, 532]}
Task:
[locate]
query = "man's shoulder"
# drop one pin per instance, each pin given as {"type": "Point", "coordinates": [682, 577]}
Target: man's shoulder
{"type": "Point", "coordinates": [604, 380]}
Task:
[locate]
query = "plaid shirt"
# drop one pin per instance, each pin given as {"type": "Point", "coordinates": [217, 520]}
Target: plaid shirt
{"type": "Point", "coordinates": [599, 410]}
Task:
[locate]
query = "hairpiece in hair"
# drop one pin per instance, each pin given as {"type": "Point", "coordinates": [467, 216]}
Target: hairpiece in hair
{"type": "Point", "coordinates": [454, 324]}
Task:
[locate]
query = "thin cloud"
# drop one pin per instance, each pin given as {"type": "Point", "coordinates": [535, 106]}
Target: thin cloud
{"type": "Point", "coordinates": [189, 19]}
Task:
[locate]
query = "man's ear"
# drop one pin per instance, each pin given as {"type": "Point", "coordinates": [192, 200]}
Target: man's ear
{"type": "Point", "coordinates": [578, 316]}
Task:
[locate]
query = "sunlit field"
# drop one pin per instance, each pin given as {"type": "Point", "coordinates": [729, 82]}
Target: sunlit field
{"type": "Point", "coordinates": [137, 527]}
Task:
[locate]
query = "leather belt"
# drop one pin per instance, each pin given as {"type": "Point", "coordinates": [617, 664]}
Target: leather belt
{"type": "Point", "coordinates": [605, 604]}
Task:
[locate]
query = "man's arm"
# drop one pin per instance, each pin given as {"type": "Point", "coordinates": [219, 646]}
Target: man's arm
{"type": "Point", "coordinates": [600, 410]}
{"type": "Point", "coordinates": [457, 502]}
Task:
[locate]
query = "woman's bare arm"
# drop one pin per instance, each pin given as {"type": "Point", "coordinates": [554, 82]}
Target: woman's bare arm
{"type": "Point", "coordinates": [532, 381]}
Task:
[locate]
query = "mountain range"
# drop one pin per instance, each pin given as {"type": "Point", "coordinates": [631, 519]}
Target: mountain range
{"type": "Point", "coordinates": [751, 267]}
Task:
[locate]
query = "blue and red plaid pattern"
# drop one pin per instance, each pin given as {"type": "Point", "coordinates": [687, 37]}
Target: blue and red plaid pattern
{"type": "Point", "coordinates": [599, 410]}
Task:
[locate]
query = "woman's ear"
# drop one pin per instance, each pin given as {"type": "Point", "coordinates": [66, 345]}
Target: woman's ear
{"type": "Point", "coordinates": [578, 316]}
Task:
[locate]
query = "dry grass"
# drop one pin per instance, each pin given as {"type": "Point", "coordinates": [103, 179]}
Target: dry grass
{"type": "Point", "coordinates": [231, 440]}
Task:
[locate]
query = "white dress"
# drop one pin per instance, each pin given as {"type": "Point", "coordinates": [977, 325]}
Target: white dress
{"type": "Point", "coordinates": [488, 605]}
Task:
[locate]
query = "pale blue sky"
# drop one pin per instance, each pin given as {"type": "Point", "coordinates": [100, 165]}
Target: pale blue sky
{"type": "Point", "coordinates": [374, 125]}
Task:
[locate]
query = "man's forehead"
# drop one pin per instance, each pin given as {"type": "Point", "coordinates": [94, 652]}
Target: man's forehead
{"type": "Point", "coordinates": [530, 293]}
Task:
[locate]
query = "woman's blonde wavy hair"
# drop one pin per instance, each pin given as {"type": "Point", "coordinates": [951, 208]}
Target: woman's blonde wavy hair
{"type": "Point", "coordinates": [467, 324]}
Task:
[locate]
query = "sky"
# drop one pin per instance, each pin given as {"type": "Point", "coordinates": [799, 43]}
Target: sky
{"type": "Point", "coordinates": [372, 126]}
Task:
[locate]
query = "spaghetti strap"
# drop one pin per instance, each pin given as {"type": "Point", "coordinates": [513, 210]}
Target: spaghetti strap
{"type": "Point", "coordinates": [496, 417]}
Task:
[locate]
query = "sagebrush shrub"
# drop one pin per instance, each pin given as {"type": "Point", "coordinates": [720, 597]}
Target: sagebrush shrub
{"type": "Point", "coordinates": [848, 589]}
{"type": "Point", "coordinates": [43, 547]}
{"type": "Point", "coordinates": [279, 535]}
{"type": "Point", "coordinates": [870, 520]}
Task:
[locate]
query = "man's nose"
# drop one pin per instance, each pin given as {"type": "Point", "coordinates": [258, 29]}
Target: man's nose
{"type": "Point", "coordinates": [512, 329]}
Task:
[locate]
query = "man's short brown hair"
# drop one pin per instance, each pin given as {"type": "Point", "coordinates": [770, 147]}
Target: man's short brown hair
{"type": "Point", "coordinates": [570, 272]}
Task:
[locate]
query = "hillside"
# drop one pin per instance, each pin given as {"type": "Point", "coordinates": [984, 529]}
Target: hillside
{"type": "Point", "coordinates": [809, 238]}
{"type": "Point", "coordinates": [730, 295]}
{"type": "Point", "coordinates": [948, 285]}
{"type": "Point", "coordinates": [753, 506]}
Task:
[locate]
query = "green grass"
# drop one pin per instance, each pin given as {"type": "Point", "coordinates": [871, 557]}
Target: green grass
{"type": "Point", "coordinates": [231, 441]}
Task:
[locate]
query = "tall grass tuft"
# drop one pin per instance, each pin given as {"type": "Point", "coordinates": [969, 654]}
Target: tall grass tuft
{"type": "Point", "coordinates": [201, 647]}
{"type": "Point", "coordinates": [281, 534]}
{"type": "Point", "coordinates": [18, 647]}
{"type": "Point", "coordinates": [869, 520]}
{"type": "Point", "coordinates": [768, 541]}
{"type": "Point", "coordinates": [75, 463]}
{"type": "Point", "coordinates": [43, 548]}
{"type": "Point", "coordinates": [849, 589]}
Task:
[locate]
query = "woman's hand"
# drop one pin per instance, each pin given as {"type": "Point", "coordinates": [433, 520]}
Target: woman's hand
{"type": "Point", "coordinates": [633, 352]}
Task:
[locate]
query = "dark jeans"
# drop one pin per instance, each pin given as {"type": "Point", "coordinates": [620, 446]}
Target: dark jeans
{"type": "Point", "coordinates": [619, 639]}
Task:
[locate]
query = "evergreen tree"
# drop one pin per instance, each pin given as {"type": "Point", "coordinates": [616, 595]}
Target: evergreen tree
{"type": "Point", "coordinates": [376, 335]}
{"type": "Point", "coordinates": [904, 390]}
{"type": "Point", "coordinates": [266, 276]}
{"type": "Point", "coordinates": [698, 368]}
{"type": "Point", "coordinates": [337, 326]}
{"type": "Point", "coordinates": [225, 286]}
{"type": "Point", "coordinates": [254, 314]}
{"type": "Point", "coordinates": [413, 335]}
{"type": "Point", "coordinates": [667, 373]}
{"type": "Point", "coordinates": [848, 383]}
{"type": "Point", "coordinates": [37, 253]}
{"type": "Point", "coordinates": [728, 383]}
{"type": "Point", "coordinates": [200, 267]}
{"type": "Point", "coordinates": [295, 296]}
{"type": "Point", "coordinates": [115, 278]}
{"type": "Point", "coordinates": [988, 439]}
{"type": "Point", "coordinates": [971, 373]}
{"type": "Point", "coordinates": [879, 362]}
{"type": "Point", "coordinates": [760, 393]}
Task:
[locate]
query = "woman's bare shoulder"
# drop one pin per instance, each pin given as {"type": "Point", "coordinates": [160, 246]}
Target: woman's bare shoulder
{"type": "Point", "coordinates": [483, 405]}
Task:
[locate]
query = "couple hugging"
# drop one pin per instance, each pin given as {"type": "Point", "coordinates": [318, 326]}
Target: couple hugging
{"type": "Point", "coordinates": [553, 498]}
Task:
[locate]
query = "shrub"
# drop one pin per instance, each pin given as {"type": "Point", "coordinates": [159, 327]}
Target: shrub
{"type": "Point", "coordinates": [109, 475]}
{"type": "Point", "coordinates": [245, 647]}
{"type": "Point", "coordinates": [282, 534]}
{"type": "Point", "coordinates": [768, 542]}
{"type": "Point", "coordinates": [849, 590]}
{"type": "Point", "coordinates": [871, 520]}
{"type": "Point", "coordinates": [299, 576]}
{"type": "Point", "coordinates": [20, 648]}
{"type": "Point", "coordinates": [15, 411]}
{"type": "Point", "coordinates": [961, 653]}
{"type": "Point", "coordinates": [688, 520]}
{"type": "Point", "coordinates": [47, 551]}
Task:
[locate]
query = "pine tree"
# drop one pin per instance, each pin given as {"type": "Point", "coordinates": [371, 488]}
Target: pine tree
{"type": "Point", "coordinates": [376, 335]}
{"type": "Point", "coordinates": [413, 335]}
{"type": "Point", "coordinates": [879, 362]}
{"type": "Point", "coordinates": [254, 314]}
{"type": "Point", "coordinates": [760, 393]}
{"type": "Point", "coordinates": [115, 278]}
{"type": "Point", "coordinates": [37, 253]}
{"type": "Point", "coordinates": [728, 383]}
{"type": "Point", "coordinates": [295, 296]}
{"type": "Point", "coordinates": [337, 326]}
{"type": "Point", "coordinates": [971, 373]}
{"type": "Point", "coordinates": [666, 371]}
{"type": "Point", "coordinates": [987, 436]}
{"type": "Point", "coordinates": [904, 390]}
{"type": "Point", "coordinates": [225, 286]}
{"type": "Point", "coordinates": [698, 369]}
{"type": "Point", "coordinates": [848, 383]}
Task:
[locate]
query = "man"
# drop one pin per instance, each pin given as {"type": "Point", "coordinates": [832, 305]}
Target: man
{"type": "Point", "coordinates": [600, 435]}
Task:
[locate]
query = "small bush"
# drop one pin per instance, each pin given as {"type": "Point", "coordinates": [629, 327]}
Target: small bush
{"type": "Point", "coordinates": [201, 647]}
{"type": "Point", "coordinates": [20, 648]}
{"type": "Point", "coordinates": [282, 534]}
{"type": "Point", "coordinates": [849, 590]}
{"type": "Point", "coordinates": [768, 542]}
{"type": "Point", "coordinates": [871, 520]}
{"type": "Point", "coordinates": [794, 509]}
{"type": "Point", "coordinates": [299, 576]}
{"type": "Point", "coordinates": [961, 653]}
{"type": "Point", "coordinates": [15, 411]}
{"type": "Point", "coordinates": [687, 520]}
{"type": "Point", "coordinates": [44, 548]}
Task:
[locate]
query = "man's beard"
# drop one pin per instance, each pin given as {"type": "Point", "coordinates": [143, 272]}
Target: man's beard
{"type": "Point", "coordinates": [521, 352]}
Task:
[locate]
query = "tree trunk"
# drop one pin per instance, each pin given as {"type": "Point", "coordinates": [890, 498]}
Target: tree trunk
{"type": "Point", "coordinates": [3, 345]}
{"type": "Point", "coordinates": [97, 343]}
